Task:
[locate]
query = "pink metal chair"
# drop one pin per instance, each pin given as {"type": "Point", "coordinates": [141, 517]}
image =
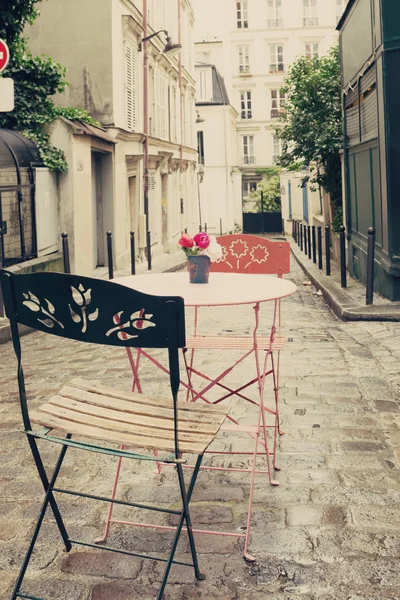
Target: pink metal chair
{"type": "Point", "coordinates": [241, 254]}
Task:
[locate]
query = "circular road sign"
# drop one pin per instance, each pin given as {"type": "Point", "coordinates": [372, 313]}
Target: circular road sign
{"type": "Point", "coordinates": [4, 55]}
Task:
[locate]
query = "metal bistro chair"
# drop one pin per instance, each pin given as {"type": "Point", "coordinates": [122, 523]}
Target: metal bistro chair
{"type": "Point", "coordinates": [96, 311]}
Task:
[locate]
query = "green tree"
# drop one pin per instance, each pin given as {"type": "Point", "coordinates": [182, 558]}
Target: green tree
{"type": "Point", "coordinates": [311, 129]}
{"type": "Point", "coordinates": [37, 79]}
{"type": "Point", "coordinates": [269, 188]}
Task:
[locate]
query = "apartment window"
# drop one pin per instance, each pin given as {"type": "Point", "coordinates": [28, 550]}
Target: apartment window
{"type": "Point", "coordinates": [244, 62]}
{"type": "Point", "coordinates": [339, 10]}
{"type": "Point", "coordinates": [242, 14]}
{"type": "Point", "coordinates": [130, 85]}
{"type": "Point", "coordinates": [200, 147]}
{"type": "Point", "coordinates": [248, 150]}
{"type": "Point", "coordinates": [274, 18]}
{"type": "Point", "coordinates": [204, 85]}
{"type": "Point", "coordinates": [245, 105]}
{"type": "Point", "coordinates": [247, 188]}
{"type": "Point", "coordinates": [310, 14]}
{"type": "Point", "coordinates": [277, 103]}
{"type": "Point", "coordinates": [161, 104]}
{"type": "Point", "coordinates": [277, 148]}
{"type": "Point", "coordinates": [276, 58]}
{"type": "Point", "coordinates": [311, 50]}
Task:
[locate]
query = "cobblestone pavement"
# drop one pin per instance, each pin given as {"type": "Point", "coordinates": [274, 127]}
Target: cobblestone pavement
{"type": "Point", "coordinates": [329, 532]}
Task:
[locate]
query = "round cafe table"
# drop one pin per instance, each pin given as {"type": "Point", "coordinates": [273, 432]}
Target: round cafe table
{"type": "Point", "coordinates": [223, 289]}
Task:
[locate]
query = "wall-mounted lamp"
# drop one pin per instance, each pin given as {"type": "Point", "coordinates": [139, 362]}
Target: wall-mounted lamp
{"type": "Point", "coordinates": [199, 119]}
{"type": "Point", "coordinates": [170, 48]}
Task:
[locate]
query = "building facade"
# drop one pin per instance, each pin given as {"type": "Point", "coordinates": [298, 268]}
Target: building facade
{"type": "Point", "coordinates": [370, 54]}
{"type": "Point", "coordinates": [220, 203]}
{"type": "Point", "coordinates": [106, 71]}
{"type": "Point", "coordinates": [252, 43]}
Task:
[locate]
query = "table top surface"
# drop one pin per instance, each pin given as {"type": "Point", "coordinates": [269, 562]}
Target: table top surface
{"type": "Point", "coordinates": [223, 289]}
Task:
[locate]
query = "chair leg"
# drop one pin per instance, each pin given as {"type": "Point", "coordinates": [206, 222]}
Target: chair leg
{"type": "Point", "coordinates": [48, 499]}
{"type": "Point", "coordinates": [275, 375]}
{"type": "Point", "coordinates": [111, 507]}
{"type": "Point", "coordinates": [185, 516]}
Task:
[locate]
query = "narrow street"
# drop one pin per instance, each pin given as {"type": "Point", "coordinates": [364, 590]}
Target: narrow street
{"type": "Point", "coordinates": [330, 531]}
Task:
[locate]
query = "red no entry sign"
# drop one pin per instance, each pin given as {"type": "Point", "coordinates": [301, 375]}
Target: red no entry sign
{"type": "Point", "coordinates": [4, 55]}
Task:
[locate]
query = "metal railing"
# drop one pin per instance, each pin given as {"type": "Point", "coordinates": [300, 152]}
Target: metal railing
{"type": "Point", "coordinates": [310, 21]}
{"type": "Point", "coordinates": [277, 68]}
{"type": "Point", "coordinates": [274, 22]}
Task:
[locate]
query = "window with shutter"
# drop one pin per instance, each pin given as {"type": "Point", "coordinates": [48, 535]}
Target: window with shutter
{"type": "Point", "coordinates": [130, 86]}
{"type": "Point", "coordinates": [161, 104]}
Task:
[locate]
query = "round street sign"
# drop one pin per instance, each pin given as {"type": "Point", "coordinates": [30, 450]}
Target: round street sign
{"type": "Point", "coordinates": [4, 55]}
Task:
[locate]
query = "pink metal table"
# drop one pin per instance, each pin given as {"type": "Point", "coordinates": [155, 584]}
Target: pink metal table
{"type": "Point", "coordinates": [224, 289]}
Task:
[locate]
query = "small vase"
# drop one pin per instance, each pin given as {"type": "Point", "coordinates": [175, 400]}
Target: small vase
{"type": "Point", "coordinates": [199, 269]}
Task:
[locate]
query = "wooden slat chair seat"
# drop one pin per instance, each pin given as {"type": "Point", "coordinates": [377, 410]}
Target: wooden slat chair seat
{"type": "Point", "coordinates": [113, 415]}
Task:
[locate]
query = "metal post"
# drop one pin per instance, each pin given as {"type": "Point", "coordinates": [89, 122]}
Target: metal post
{"type": "Point", "coordinates": [1, 266]}
{"type": "Point", "coordinates": [370, 265]}
{"type": "Point", "coordinates": [314, 245]}
{"type": "Point", "coordinates": [199, 228]}
{"type": "Point", "coordinates": [220, 226]}
{"type": "Point", "coordinates": [205, 227]}
{"type": "Point", "coordinates": [327, 250]}
{"type": "Point", "coordinates": [110, 256]}
{"type": "Point", "coordinates": [283, 226]}
{"type": "Point", "coordinates": [185, 229]}
{"type": "Point", "coordinates": [298, 232]}
{"type": "Point", "coordinates": [309, 240]}
{"type": "Point", "coordinates": [293, 237]}
{"type": "Point", "coordinates": [262, 211]}
{"type": "Point", "coordinates": [319, 234]}
{"type": "Point", "coordinates": [148, 240]}
{"type": "Point", "coordinates": [65, 249]}
{"type": "Point", "coordinates": [343, 277]}
{"type": "Point", "coordinates": [133, 254]}
{"type": "Point", "coordinates": [301, 236]}
{"type": "Point", "coordinates": [305, 239]}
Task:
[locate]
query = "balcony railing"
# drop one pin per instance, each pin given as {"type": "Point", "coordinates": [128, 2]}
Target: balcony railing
{"type": "Point", "coordinates": [244, 69]}
{"type": "Point", "coordinates": [248, 160]}
{"type": "Point", "coordinates": [276, 68]}
{"type": "Point", "coordinates": [274, 113]}
{"type": "Point", "coordinates": [246, 114]}
{"type": "Point", "coordinates": [310, 22]}
{"type": "Point", "coordinates": [274, 22]}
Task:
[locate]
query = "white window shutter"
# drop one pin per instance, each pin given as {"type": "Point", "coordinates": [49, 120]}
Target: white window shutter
{"type": "Point", "coordinates": [130, 86]}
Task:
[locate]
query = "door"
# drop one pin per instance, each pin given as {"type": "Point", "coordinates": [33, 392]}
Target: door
{"type": "Point", "coordinates": [98, 211]}
{"type": "Point", "coordinates": [164, 203]}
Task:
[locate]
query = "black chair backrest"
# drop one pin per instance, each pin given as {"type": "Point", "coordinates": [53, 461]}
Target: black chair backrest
{"type": "Point", "coordinates": [93, 310]}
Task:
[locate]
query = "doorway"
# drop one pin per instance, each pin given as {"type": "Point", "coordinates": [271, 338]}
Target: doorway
{"type": "Point", "coordinates": [164, 204]}
{"type": "Point", "coordinates": [98, 211]}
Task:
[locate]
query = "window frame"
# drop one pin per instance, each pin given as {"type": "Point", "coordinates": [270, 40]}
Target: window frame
{"type": "Point", "coordinates": [248, 149]}
{"type": "Point", "coordinates": [242, 14]}
{"type": "Point", "coordinates": [310, 13]}
{"type": "Point", "coordinates": [311, 54]}
{"type": "Point", "coordinates": [244, 59]}
{"type": "Point", "coordinates": [276, 65]}
{"type": "Point", "coordinates": [200, 148]}
{"type": "Point", "coordinates": [246, 105]}
{"type": "Point", "coordinates": [274, 13]}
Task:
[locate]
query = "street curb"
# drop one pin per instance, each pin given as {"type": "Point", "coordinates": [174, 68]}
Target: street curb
{"type": "Point", "coordinates": [340, 302]}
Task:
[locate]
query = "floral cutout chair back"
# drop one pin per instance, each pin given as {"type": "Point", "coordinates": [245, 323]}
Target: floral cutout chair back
{"type": "Point", "coordinates": [243, 253]}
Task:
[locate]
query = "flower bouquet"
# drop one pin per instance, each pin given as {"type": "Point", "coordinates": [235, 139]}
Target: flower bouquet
{"type": "Point", "coordinates": [200, 250]}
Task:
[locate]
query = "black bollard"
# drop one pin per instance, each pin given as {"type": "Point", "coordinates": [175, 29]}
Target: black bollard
{"type": "Point", "coordinates": [199, 228]}
{"type": "Point", "coordinates": [301, 236]}
{"type": "Point", "coordinates": [298, 232]}
{"type": "Point", "coordinates": [185, 229]}
{"type": "Point", "coordinates": [1, 266]}
{"type": "Point", "coordinates": [65, 250]}
{"type": "Point", "coordinates": [343, 276]}
{"type": "Point", "coordinates": [220, 227]}
{"type": "Point", "coordinates": [314, 246]}
{"type": "Point", "coordinates": [283, 226]}
{"type": "Point", "coordinates": [148, 242]}
{"type": "Point", "coordinates": [309, 240]}
{"type": "Point", "coordinates": [319, 233]}
{"type": "Point", "coordinates": [205, 227]}
{"type": "Point", "coordinates": [305, 239]}
{"type": "Point", "coordinates": [327, 250]}
{"type": "Point", "coordinates": [133, 257]}
{"type": "Point", "coordinates": [370, 266]}
{"type": "Point", "coordinates": [110, 255]}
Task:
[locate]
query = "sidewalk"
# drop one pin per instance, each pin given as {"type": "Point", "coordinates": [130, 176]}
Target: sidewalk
{"type": "Point", "coordinates": [348, 304]}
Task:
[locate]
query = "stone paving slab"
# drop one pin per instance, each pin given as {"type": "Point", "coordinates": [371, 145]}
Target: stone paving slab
{"type": "Point", "coordinates": [330, 531]}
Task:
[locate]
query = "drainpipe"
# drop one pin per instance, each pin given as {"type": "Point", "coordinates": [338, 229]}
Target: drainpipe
{"type": "Point", "coordinates": [181, 107]}
{"type": "Point", "coordinates": [146, 131]}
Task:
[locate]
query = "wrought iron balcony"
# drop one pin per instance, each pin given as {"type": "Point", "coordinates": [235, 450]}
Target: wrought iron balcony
{"type": "Point", "coordinates": [244, 69]}
{"type": "Point", "coordinates": [274, 113]}
{"type": "Point", "coordinates": [310, 22]}
{"type": "Point", "coordinates": [248, 160]}
{"type": "Point", "coordinates": [276, 68]}
{"type": "Point", "coordinates": [274, 22]}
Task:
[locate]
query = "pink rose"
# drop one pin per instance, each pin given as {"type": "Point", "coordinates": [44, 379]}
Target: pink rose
{"type": "Point", "coordinates": [202, 240]}
{"type": "Point", "coordinates": [186, 241]}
